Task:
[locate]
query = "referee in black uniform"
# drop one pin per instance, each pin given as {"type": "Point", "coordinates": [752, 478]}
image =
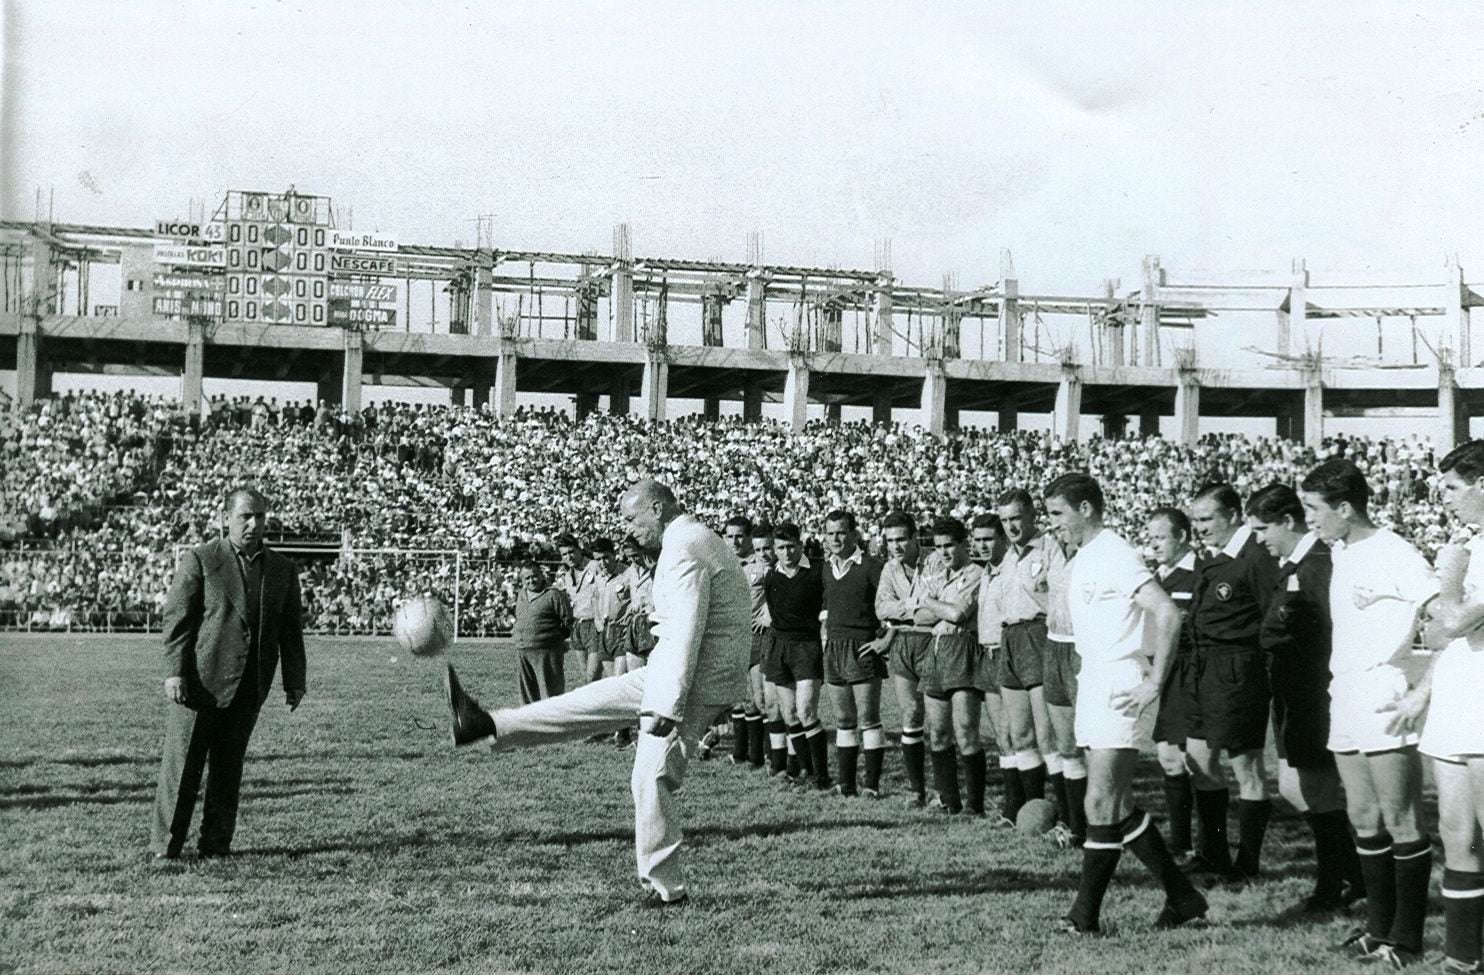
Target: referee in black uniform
{"type": "Point", "coordinates": [1228, 711]}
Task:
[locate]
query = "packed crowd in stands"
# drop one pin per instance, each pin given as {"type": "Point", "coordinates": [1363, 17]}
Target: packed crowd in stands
{"type": "Point", "coordinates": [99, 491]}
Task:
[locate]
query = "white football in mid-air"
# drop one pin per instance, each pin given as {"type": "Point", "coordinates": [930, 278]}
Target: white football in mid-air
{"type": "Point", "coordinates": [422, 626]}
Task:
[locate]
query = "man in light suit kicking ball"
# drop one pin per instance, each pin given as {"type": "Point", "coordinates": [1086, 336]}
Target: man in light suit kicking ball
{"type": "Point", "coordinates": [703, 614]}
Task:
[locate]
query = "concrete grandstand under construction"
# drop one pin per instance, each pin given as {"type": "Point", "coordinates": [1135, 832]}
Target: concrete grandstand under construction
{"type": "Point", "coordinates": [267, 289]}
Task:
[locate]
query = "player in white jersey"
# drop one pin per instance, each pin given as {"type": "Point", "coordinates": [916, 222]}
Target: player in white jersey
{"type": "Point", "coordinates": [1378, 588]}
{"type": "Point", "coordinates": [1118, 610]}
{"type": "Point", "coordinates": [1449, 696]}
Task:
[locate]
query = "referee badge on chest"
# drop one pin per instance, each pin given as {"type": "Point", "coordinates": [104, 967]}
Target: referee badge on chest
{"type": "Point", "coordinates": [1223, 591]}
{"type": "Point", "coordinates": [1089, 591]}
{"type": "Point", "coordinates": [1285, 613]}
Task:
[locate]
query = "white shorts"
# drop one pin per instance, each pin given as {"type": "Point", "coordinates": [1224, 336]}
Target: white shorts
{"type": "Point", "coordinates": [1355, 724]}
{"type": "Point", "coordinates": [1455, 722]}
{"type": "Point", "coordinates": [1098, 723]}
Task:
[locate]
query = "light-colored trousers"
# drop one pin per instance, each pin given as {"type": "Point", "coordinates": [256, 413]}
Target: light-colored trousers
{"type": "Point", "coordinates": [659, 763]}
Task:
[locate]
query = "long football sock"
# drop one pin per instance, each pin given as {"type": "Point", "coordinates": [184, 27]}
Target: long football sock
{"type": "Point", "coordinates": [797, 735]}
{"type": "Point", "coordinates": [873, 745]}
{"type": "Point", "coordinates": [1014, 789]}
{"type": "Point", "coordinates": [1379, 869]}
{"type": "Point", "coordinates": [1100, 855]}
{"type": "Point", "coordinates": [1075, 772]}
{"type": "Point", "coordinates": [1252, 826]}
{"type": "Point", "coordinates": [739, 736]}
{"type": "Point", "coordinates": [1413, 868]}
{"type": "Point", "coordinates": [778, 750]}
{"type": "Point", "coordinates": [1210, 809]}
{"type": "Point", "coordinates": [1032, 774]}
{"type": "Point", "coordinates": [1331, 837]}
{"type": "Point", "coordinates": [794, 743]}
{"type": "Point", "coordinates": [1142, 838]}
{"type": "Point", "coordinates": [756, 740]}
{"type": "Point", "coordinates": [914, 757]}
{"type": "Point", "coordinates": [847, 758]}
{"type": "Point", "coordinates": [1463, 915]}
{"type": "Point", "coordinates": [818, 747]}
{"type": "Point", "coordinates": [974, 768]}
{"type": "Point", "coordinates": [1178, 800]}
{"type": "Point", "coordinates": [945, 779]}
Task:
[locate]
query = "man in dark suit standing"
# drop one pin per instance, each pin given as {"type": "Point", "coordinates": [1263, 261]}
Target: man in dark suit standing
{"type": "Point", "coordinates": [233, 610]}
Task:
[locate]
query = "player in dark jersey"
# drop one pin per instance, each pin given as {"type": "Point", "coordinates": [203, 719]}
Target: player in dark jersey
{"type": "Point", "coordinates": [1168, 531]}
{"type": "Point", "coordinates": [853, 668]}
{"type": "Point", "coordinates": [1296, 633]}
{"type": "Point", "coordinates": [794, 591]}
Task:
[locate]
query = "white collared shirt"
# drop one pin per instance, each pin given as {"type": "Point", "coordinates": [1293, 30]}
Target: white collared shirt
{"type": "Point", "coordinates": [1234, 545]}
{"type": "Point", "coordinates": [1187, 562]}
{"type": "Point", "coordinates": [839, 567]}
{"type": "Point", "coordinates": [1299, 550]}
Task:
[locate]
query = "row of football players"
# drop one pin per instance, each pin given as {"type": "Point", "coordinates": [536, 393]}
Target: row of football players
{"type": "Point", "coordinates": [1297, 610]}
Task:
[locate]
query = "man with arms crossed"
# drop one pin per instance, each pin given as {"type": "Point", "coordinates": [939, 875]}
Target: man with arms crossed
{"type": "Point", "coordinates": [852, 668]}
{"type": "Point", "coordinates": [697, 668]}
{"type": "Point", "coordinates": [1113, 597]}
{"type": "Point", "coordinates": [1378, 586]}
{"type": "Point", "coordinates": [1448, 696]}
{"type": "Point", "coordinates": [906, 577]}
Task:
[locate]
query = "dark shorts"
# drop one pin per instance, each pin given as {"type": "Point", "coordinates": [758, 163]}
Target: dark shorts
{"type": "Point", "coordinates": [1022, 649]}
{"type": "Point", "coordinates": [640, 635]}
{"type": "Point", "coordinates": [1059, 668]}
{"type": "Point", "coordinates": [1301, 715]}
{"type": "Point", "coordinates": [954, 663]}
{"type": "Point", "coordinates": [760, 644]}
{"type": "Point", "coordinates": [1231, 700]}
{"type": "Point", "coordinates": [790, 660]}
{"type": "Point", "coordinates": [584, 639]}
{"type": "Point", "coordinates": [613, 642]}
{"type": "Point", "coordinates": [841, 666]}
{"type": "Point", "coordinates": [1175, 702]}
{"type": "Point", "coordinates": [989, 681]}
{"type": "Point", "coordinates": [907, 656]}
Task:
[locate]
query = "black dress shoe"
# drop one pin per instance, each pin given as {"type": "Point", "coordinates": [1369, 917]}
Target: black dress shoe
{"type": "Point", "coordinates": [1171, 917]}
{"type": "Point", "coordinates": [652, 899]}
{"type": "Point", "coordinates": [470, 721]}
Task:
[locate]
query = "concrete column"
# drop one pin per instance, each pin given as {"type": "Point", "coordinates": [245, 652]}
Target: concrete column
{"type": "Point", "coordinates": [1115, 426]}
{"type": "Point", "coordinates": [33, 376]}
{"type": "Point", "coordinates": [831, 320]}
{"type": "Point", "coordinates": [507, 378]}
{"type": "Point", "coordinates": [350, 372]}
{"type": "Point", "coordinates": [587, 309]}
{"type": "Point", "coordinates": [618, 396]}
{"type": "Point", "coordinates": [934, 401]}
{"type": "Point", "coordinates": [1009, 308]}
{"type": "Point", "coordinates": [191, 373]}
{"type": "Point", "coordinates": [1113, 335]}
{"type": "Point", "coordinates": [1456, 316]}
{"type": "Point", "coordinates": [481, 303]}
{"type": "Point", "coordinates": [1008, 419]}
{"type": "Point", "coordinates": [655, 388]}
{"type": "Point", "coordinates": [796, 394]}
{"type": "Point", "coordinates": [1187, 411]}
{"type": "Point", "coordinates": [621, 298]}
{"type": "Point", "coordinates": [881, 317]}
{"type": "Point", "coordinates": [757, 311]}
{"type": "Point", "coordinates": [1149, 423]}
{"type": "Point", "coordinates": [1149, 319]}
{"type": "Point", "coordinates": [711, 320]}
{"type": "Point", "coordinates": [833, 413]}
{"type": "Point", "coordinates": [881, 407]}
{"type": "Point", "coordinates": [752, 402]}
{"type": "Point", "coordinates": [1293, 327]}
{"type": "Point", "coordinates": [1453, 414]}
{"type": "Point", "coordinates": [1314, 411]}
{"type": "Point", "coordinates": [1066, 416]}
{"type": "Point", "coordinates": [711, 409]}
{"type": "Point", "coordinates": [586, 405]}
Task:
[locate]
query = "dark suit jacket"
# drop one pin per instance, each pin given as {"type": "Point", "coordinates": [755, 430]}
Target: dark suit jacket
{"type": "Point", "coordinates": [206, 626]}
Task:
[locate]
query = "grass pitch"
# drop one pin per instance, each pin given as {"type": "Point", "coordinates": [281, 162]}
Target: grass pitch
{"type": "Point", "coordinates": [368, 844]}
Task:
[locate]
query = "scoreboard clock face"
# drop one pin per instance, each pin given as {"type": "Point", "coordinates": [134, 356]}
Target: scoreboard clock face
{"type": "Point", "coordinates": [278, 260]}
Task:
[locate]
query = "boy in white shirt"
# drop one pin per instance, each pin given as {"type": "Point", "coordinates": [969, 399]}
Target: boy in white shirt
{"type": "Point", "coordinates": [1379, 585]}
{"type": "Point", "coordinates": [1113, 600]}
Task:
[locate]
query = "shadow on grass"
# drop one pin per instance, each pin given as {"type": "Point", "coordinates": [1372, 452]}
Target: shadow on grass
{"type": "Point", "coordinates": [694, 836]}
{"type": "Point", "coordinates": [966, 882]}
{"type": "Point", "coordinates": [143, 792]}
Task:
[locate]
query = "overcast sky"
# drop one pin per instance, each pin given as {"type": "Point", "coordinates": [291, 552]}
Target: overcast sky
{"type": "Point", "coordinates": [1079, 136]}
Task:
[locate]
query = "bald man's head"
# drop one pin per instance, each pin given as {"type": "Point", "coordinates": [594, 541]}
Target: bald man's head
{"type": "Point", "coordinates": [647, 507]}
